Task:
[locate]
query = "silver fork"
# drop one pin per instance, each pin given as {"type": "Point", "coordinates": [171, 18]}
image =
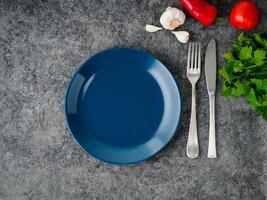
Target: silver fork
{"type": "Point", "coordinates": [193, 74]}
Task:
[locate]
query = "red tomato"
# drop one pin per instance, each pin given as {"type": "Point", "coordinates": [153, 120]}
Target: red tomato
{"type": "Point", "coordinates": [245, 15]}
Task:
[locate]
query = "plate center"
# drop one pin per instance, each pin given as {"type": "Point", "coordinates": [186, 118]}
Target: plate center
{"type": "Point", "coordinates": [122, 106]}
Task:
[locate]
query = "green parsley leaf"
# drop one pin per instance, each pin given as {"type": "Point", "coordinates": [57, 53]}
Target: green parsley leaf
{"type": "Point", "coordinates": [260, 54]}
{"type": "Point", "coordinates": [260, 40]}
{"type": "Point", "coordinates": [263, 100]}
{"type": "Point", "coordinates": [223, 72]}
{"type": "Point", "coordinates": [238, 90]}
{"type": "Point", "coordinates": [261, 85]}
{"type": "Point", "coordinates": [238, 66]}
{"type": "Point", "coordinates": [229, 56]}
{"type": "Point", "coordinates": [259, 57]}
{"type": "Point", "coordinates": [252, 99]}
{"type": "Point", "coordinates": [226, 90]}
{"type": "Point", "coordinates": [244, 40]}
{"type": "Point", "coordinates": [245, 53]}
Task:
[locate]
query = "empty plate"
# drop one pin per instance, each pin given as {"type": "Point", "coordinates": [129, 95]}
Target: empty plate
{"type": "Point", "coordinates": [122, 105]}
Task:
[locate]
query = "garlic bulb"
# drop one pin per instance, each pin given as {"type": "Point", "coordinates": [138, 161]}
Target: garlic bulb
{"type": "Point", "coordinates": [152, 29]}
{"type": "Point", "coordinates": [172, 18]}
{"type": "Point", "coordinates": [182, 36]}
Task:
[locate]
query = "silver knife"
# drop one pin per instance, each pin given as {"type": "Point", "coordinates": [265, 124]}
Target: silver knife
{"type": "Point", "coordinates": [210, 72]}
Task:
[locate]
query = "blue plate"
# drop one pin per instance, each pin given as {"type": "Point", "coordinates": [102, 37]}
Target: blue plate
{"type": "Point", "coordinates": [122, 105]}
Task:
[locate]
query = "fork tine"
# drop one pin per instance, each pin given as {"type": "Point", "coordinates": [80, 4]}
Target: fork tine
{"type": "Point", "coordinates": [199, 55]}
{"type": "Point", "coordinates": [192, 56]}
{"type": "Point", "coordinates": [196, 56]}
{"type": "Point", "coordinates": [188, 56]}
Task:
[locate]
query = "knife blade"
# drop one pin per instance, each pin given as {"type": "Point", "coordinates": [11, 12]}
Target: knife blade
{"type": "Point", "coordinates": [210, 66]}
{"type": "Point", "coordinates": [210, 72]}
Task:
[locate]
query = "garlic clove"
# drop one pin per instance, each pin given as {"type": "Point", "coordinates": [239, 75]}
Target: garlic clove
{"type": "Point", "coordinates": [171, 18]}
{"type": "Point", "coordinates": [152, 29]}
{"type": "Point", "coordinates": [169, 8]}
{"type": "Point", "coordinates": [182, 36]}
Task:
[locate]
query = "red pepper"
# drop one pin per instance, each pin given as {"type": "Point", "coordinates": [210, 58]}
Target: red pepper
{"type": "Point", "coordinates": [202, 11]}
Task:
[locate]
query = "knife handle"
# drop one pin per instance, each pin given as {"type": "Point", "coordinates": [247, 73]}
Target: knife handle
{"type": "Point", "coordinates": [212, 138]}
{"type": "Point", "coordinates": [192, 148]}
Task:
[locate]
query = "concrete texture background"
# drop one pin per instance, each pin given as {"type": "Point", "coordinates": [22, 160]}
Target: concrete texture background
{"type": "Point", "coordinates": [43, 42]}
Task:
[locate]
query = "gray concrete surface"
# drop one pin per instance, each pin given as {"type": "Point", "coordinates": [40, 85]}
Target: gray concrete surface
{"type": "Point", "coordinates": [43, 42]}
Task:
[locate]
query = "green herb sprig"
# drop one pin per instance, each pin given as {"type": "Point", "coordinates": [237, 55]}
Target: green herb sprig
{"type": "Point", "coordinates": [245, 72]}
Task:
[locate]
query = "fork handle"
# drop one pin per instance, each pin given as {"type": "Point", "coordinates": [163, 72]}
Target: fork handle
{"type": "Point", "coordinates": [192, 148]}
{"type": "Point", "coordinates": [212, 138]}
